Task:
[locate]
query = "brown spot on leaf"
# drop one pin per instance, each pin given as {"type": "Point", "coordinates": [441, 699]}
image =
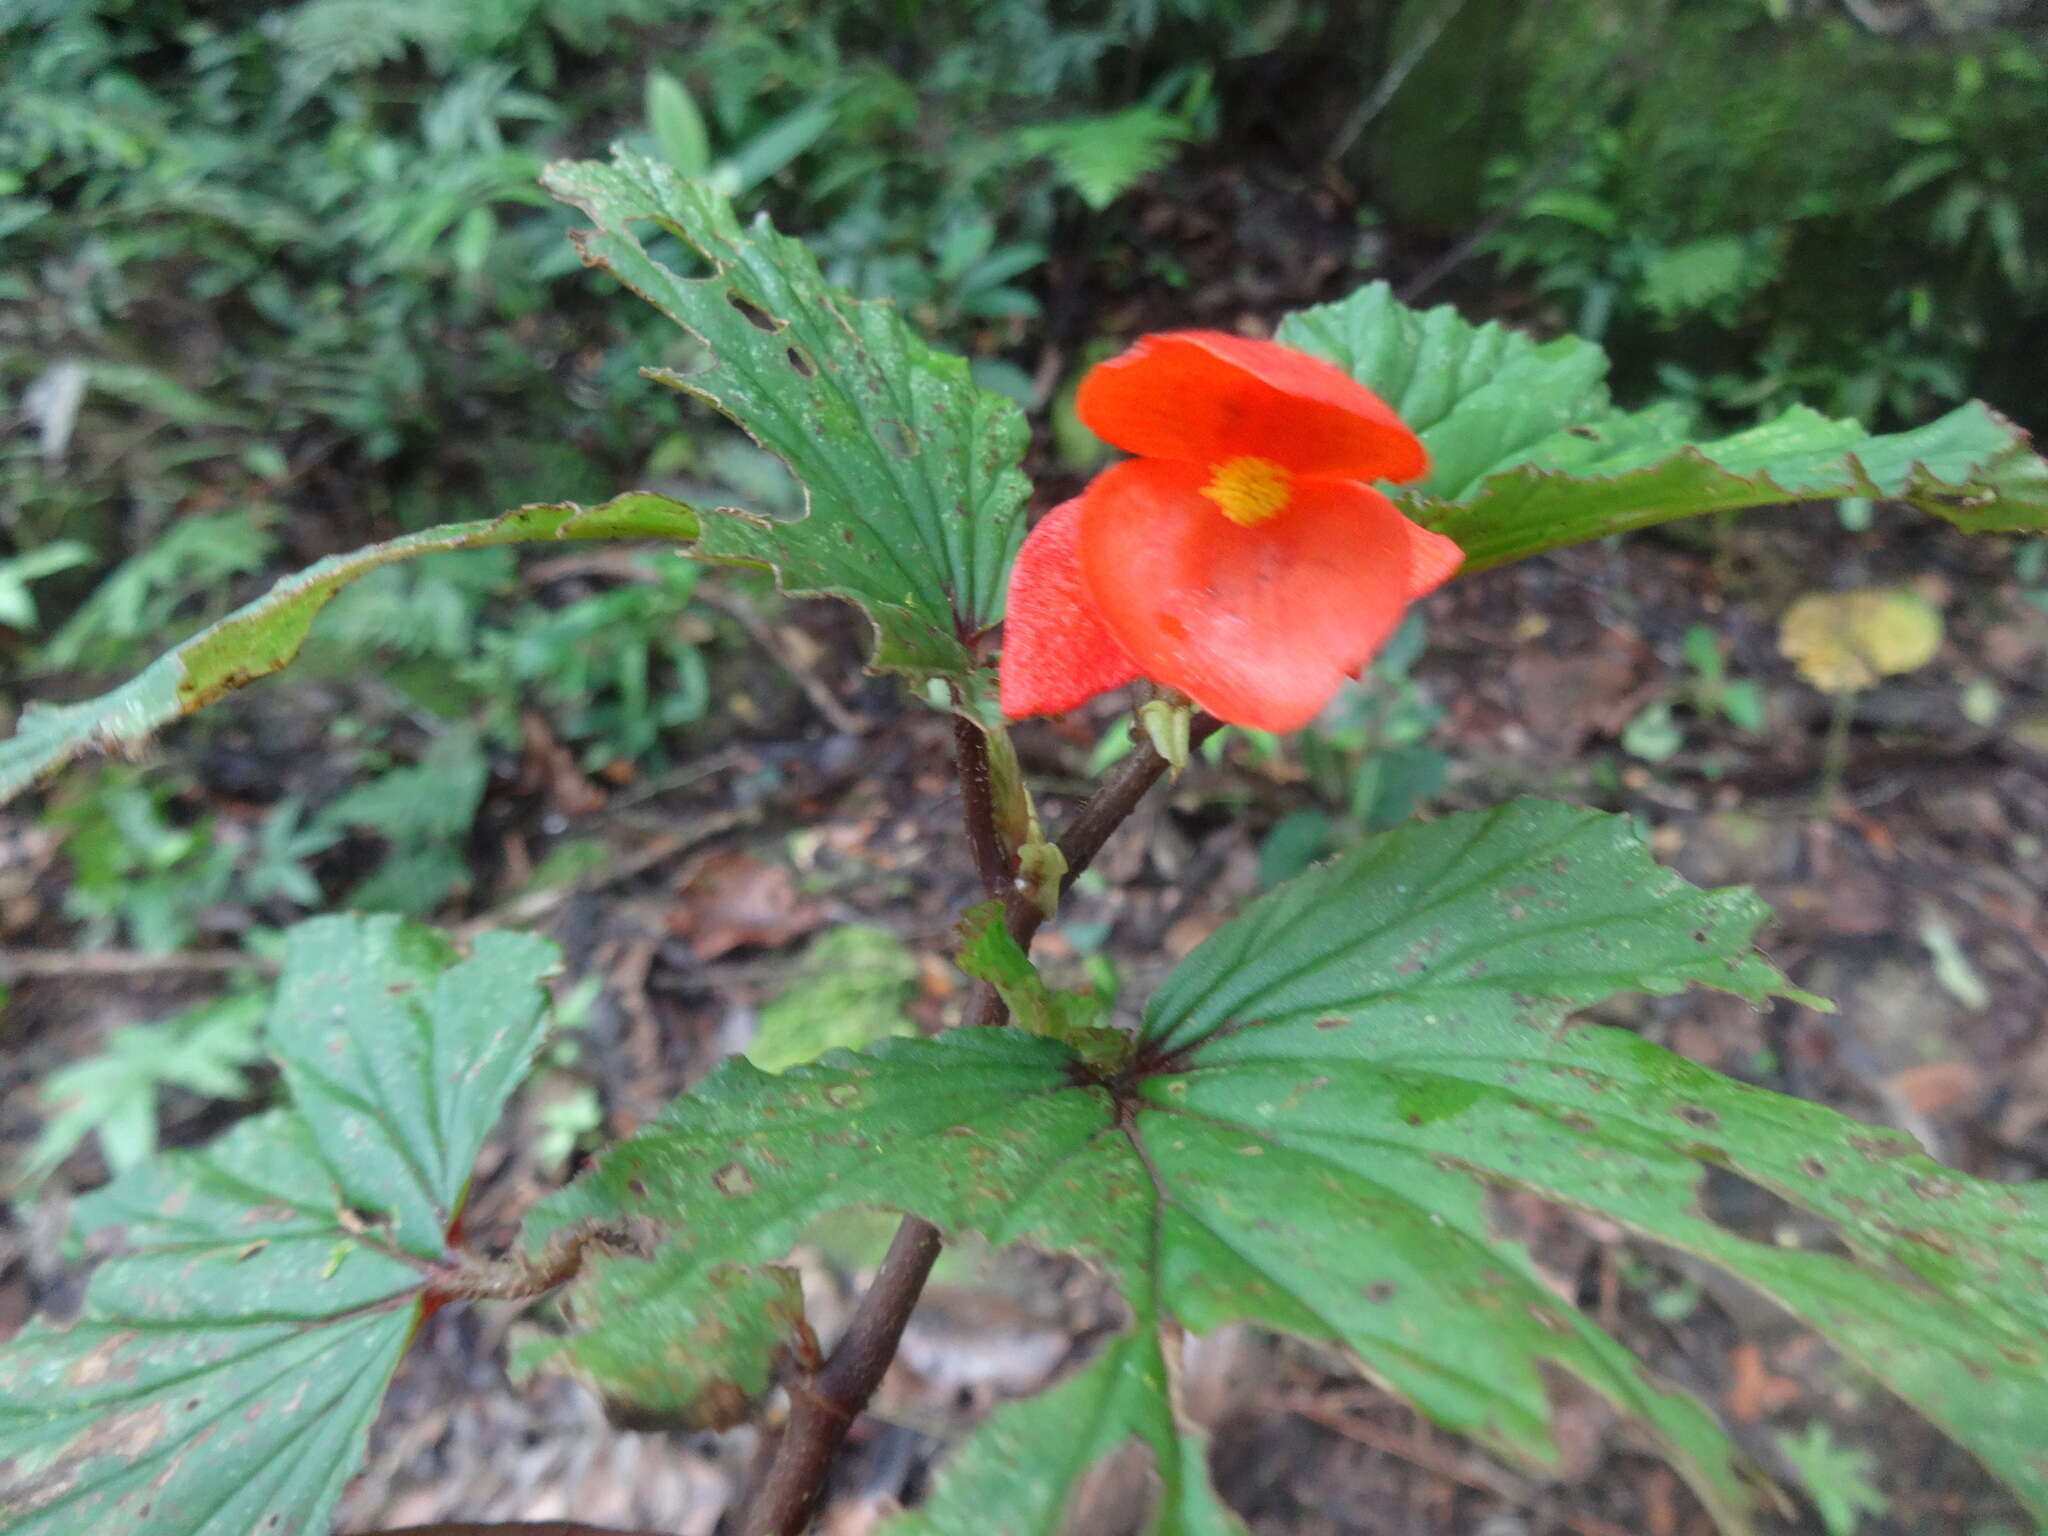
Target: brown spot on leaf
{"type": "Point", "coordinates": [1933, 1187]}
{"type": "Point", "coordinates": [733, 1180]}
{"type": "Point", "coordinates": [124, 1437]}
{"type": "Point", "coordinates": [97, 1365]}
{"type": "Point", "coordinates": [897, 438]}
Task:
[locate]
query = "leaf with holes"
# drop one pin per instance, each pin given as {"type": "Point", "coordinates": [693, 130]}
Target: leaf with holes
{"type": "Point", "coordinates": [263, 636]}
{"type": "Point", "coordinates": [227, 1363]}
{"type": "Point", "coordinates": [914, 498]}
{"type": "Point", "coordinates": [1184, 1184]}
{"type": "Point", "coordinates": [1324, 1099]}
{"type": "Point", "coordinates": [1394, 1018]}
{"type": "Point", "coordinates": [1528, 452]}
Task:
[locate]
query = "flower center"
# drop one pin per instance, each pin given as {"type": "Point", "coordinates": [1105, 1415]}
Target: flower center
{"type": "Point", "coordinates": [1250, 491]}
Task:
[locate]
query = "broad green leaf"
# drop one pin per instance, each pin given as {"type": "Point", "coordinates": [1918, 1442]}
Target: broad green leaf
{"type": "Point", "coordinates": [1528, 452]}
{"type": "Point", "coordinates": [1393, 1021]}
{"type": "Point", "coordinates": [228, 1361]}
{"type": "Point", "coordinates": [980, 1129]}
{"type": "Point", "coordinates": [1325, 1098]}
{"type": "Point", "coordinates": [261, 637]}
{"type": "Point", "coordinates": [914, 499]}
{"type": "Point", "coordinates": [400, 1053]}
{"type": "Point", "coordinates": [225, 1369]}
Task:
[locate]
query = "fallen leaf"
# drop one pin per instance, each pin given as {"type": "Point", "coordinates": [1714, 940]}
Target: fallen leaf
{"type": "Point", "coordinates": [1842, 642]}
{"type": "Point", "coordinates": [1753, 1390]}
{"type": "Point", "coordinates": [1941, 1089]}
{"type": "Point", "coordinates": [732, 898]}
{"type": "Point", "coordinates": [546, 764]}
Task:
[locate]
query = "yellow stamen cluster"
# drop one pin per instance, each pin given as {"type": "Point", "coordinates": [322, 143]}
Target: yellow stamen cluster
{"type": "Point", "coordinates": [1250, 491]}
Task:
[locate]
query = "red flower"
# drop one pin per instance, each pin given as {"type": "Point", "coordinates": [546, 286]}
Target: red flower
{"type": "Point", "coordinates": [1240, 558]}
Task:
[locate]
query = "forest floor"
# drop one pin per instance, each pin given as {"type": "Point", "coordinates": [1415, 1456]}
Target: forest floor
{"type": "Point", "coordinates": [1915, 902]}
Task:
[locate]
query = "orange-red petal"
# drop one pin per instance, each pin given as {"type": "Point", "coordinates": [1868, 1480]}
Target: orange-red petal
{"type": "Point", "coordinates": [1056, 653]}
{"type": "Point", "coordinates": [1204, 396]}
{"type": "Point", "coordinates": [1433, 560]}
{"type": "Point", "coordinates": [1258, 625]}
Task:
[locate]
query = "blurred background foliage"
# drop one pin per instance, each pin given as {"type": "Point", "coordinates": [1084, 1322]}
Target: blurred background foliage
{"type": "Point", "coordinates": [1750, 203]}
{"type": "Point", "coordinates": [279, 280]}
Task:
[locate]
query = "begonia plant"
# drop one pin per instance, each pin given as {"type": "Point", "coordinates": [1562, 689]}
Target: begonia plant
{"type": "Point", "coordinates": [1306, 1127]}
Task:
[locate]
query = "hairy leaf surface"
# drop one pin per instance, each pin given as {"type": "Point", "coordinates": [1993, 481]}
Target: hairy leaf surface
{"type": "Point", "coordinates": [259, 638]}
{"type": "Point", "coordinates": [914, 498]}
{"type": "Point", "coordinates": [1323, 1102]}
{"type": "Point", "coordinates": [229, 1359]}
{"type": "Point", "coordinates": [1529, 453]}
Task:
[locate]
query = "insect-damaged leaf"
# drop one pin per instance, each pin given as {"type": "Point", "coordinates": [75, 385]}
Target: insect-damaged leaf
{"type": "Point", "coordinates": [1528, 452]}
{"type": "Point", "coordinates": [260, 637]}
{"type": "Point", "coordinates": [910, 472]}
{"type": "Point", "coordinates": [228, 1360]}
{"type": "Point", "coordinates": [1323, 1098]}
{"type": "Point", "coordinates": [1384, 1032]}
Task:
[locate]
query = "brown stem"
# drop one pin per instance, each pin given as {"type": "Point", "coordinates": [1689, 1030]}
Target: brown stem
{"type": "Point", "coordinates": [822, 1409]}
{"type": "Point", "coordinates": [824, 1405]}
{"type": "Point", "coordinates": [1106, 810]}
{"type": "Point", "coordinates": [978, 804]}
{"type": "Point", "coordinates": [543, 1528]}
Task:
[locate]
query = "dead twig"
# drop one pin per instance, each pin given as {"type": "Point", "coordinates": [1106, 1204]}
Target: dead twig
{"type": "Point", "coordinates": [764, 634]}
{"type": "Point", "coordinates": [20, 964]}
{"type": "Point", "coordinates": [530, 908]}
{"type": "Point", "coordinates": [1467, 1470]}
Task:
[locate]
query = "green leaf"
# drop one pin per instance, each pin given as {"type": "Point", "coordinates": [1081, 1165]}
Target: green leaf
{"type": "Point", "coordinates": [17, 606]}
{"type": "Point", "coordinates": [400, 1055]}
{"type": "Point", "coordinates": [1529, 453]}
{"type": "Point", "coordinates": [981, 1129]}
{"type": "Point", "coordinates": [988, 953]}
{"type": "Point", "coordinates": [1415, 1044]}
{"type": "Point", "coordinates": [227, 1363]}
{"type": "Point", "coordinates": [114, 1092]}
{"type": "Point", "coordinates": [1103, 157]}
{"type": "Point", "coordinates": [1837, 1478]}
{"type": "Point", "coordinates": [224, 1370]}
{"type": "Point", "coordinates": [849, 991]}
{"type": "Point", "coordinates": [914, 499]}
{"type": "Point", "coordinates": [261, 637]}
{"type": "Point", "coordinates": [1326, 1096]}
{"type": "Point", "coordinates": [677, 125]}
{"type": "Point", "coordinates": [432, 801]}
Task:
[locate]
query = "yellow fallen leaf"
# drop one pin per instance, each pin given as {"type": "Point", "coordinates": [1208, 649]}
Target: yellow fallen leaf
{"type": "Point", "coordinates": [1842, 642]}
